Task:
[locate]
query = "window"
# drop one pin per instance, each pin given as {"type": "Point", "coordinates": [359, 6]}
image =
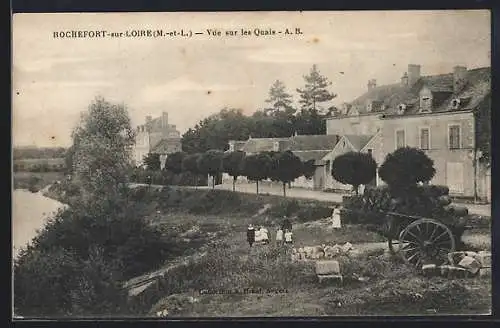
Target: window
{"type": "Point", "coordinates": [400, 138]}
{"type": "Point", "coordinates": [276, 146]}
{"type": "Point", "coordinates": [454, 136]}
{"type": "Point", "coordinates": [370, 151]}
{"type": "Point", "coordinates": [425, 138]}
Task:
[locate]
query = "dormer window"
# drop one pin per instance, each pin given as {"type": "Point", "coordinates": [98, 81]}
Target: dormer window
{"type": "Point", "coordinates": [276, 146]}
{"type": "Point", "coordinates": [425, 104]}
{"type": "Point", "coordinates": [231, 147]}
{"type": "Point", "coordinates": [455, 103]}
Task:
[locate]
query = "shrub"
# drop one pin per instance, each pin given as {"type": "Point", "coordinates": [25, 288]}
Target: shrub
{"type": "Point", "coordinates": [312, 213]}
{"type": "Point", "coordinates": [354, 168]}
{"type": "Point", "coordinates": [405, 167]}
{"type": "Point", "coordinates": [215, 202]}
{"type": "Point", "coordinates": [285, 208]}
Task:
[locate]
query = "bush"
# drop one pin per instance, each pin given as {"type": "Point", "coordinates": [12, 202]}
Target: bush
{"type": "Point", "coordinates": [406, 167]}
{"type": "Point", "coordinates": [312, 213]}
{"type": "Point", "coordinates": [285, 208]}
{"type": "Point", "coordinates": [215, 202]}
{"type": "Point", "coordinates": [354, 168]}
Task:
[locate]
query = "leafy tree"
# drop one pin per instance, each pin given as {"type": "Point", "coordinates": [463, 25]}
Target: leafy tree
{"type": "Point", "coordinates": [68, 160]}
{"type": "Point", "coordinates": [257, 167]}
{"type": "Point", "coordinates": [315, 90]}
{"type": "Point", "coordinates": [308, 169]}
{"type": "Point", "coordinates": [287, 167]}
{"type": "Point", "coordinates": [211, 163]}
{"type": "Point", "coordinates": [152, 161]}
{"type": "Point", "coordinates": [102, 143]}
{"type": "Point", "coordinates": [232, 164]}
{"type": "Point", "coordinates": [280, 100]}
{"type": "Point", "coordinates": [354, 168]}
{"type": "Point", "coordinates": [190, 164]}
{"type": "Point", "coordinates": [173, 162]}
{"type": "Point", "coordinates": [405, 167]}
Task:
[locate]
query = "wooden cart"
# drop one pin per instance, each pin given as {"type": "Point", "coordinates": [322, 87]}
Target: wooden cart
{"type": "Point", "coordinates": [420, 240]}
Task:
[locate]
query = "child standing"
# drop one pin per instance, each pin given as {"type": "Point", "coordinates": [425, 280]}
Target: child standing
{"type": "Point", "coordinates": [250, 235]}
{"type": "Point", "coordinates": [288, 236]}
{"type": "Point", "coordinates": [279, 236]}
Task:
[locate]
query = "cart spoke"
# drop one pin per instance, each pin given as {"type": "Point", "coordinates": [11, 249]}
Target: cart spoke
{"type": "Point", "coordinates": [433, 232]}
{"type": "Point", "coordinates": [412, 234]}
{"type": "Point", "coordinates": [439, 237]}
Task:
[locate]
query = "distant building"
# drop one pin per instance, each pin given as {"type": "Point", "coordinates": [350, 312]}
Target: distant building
{"type": "Point", "coordinates": [434, 113]}
{"type": "Point", "coordinates": [156, 136]}
{"type": "Point", "coordinates": [306, 147]}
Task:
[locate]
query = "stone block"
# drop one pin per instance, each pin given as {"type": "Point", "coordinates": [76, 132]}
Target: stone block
{"type": "Point", "coordinates": [471, 264]}
{"type": "Point", "coordinates": [334, 277]}
{"type": "Point", "coordinates": [485, 272]}
{"type": "Point", "coordinates": [455, 257]}
{"type": "Point", "coordinates": [444, 270]}
{"type": "Point", "coordinates": [330, 267]}
{"type": "Point", "coordinates": [458, 272]}
{"type": "Point", "coordinates": [430, 270]}
{"type": "Point", "coordinates": [484, 257]}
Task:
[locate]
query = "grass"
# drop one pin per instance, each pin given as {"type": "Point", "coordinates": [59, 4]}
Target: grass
{"type": "Point", "coordinates": [263, 281]}
{"type": "Point", "coordinates": [23, 180]}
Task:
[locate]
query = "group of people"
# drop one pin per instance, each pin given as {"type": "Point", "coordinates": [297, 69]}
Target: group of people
{"type": "Point", "coordinates": [283, 234]}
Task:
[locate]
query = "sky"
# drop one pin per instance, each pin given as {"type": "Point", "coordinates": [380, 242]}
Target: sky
{"type": "Point", "coordinates": [55, 79]}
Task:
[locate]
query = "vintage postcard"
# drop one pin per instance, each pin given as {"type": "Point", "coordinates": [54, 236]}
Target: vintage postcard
{"type": "Point", "coordinates": [251, 164]}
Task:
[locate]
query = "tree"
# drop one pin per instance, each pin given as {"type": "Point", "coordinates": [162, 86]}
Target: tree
{"type": "Point", "coordinates": [287, 167]}
{"type": "Point", "coordinates": [315, 90]}
{"type": "Point", "coordinates": [102, 143]}
{"type": "Point", "coordinates": [232, 164]}
{"type": "Point", "coordinates": [405, 167]}
{"type": "Point", "coordinates": [256, 167]}
{"type": "Point", "coordinates": [211, 163]}
{"type": "Point", "coordinates": [354, 168]}
{"type": "Point", "coordinates": [173, 162]}
{"type": "Point", "coordinates": [279, 99]}
{"type": "Point", "coordinates": [68, 160]}
{"type": "Point", "coordinates": [190, 164]}
{"type": "Point", "coordinates": [308, 169]}
{"type": "Point", "coordinates": [152, 161]}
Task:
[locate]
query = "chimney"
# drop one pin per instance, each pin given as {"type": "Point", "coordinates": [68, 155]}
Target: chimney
{"type": "Point", "coordinates": [404, 80]}
{"type": "Point", "coordinates": [372, 84]}
{"type": "Point", "coordinates": [413, 74]}
{"type": "Point", "coordinates": [164, 119]}
{"type": "Point", "coordinates": [459, 78]}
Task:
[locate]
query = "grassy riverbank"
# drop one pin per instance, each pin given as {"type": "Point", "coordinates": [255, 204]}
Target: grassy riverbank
{"type": "Point", "coordinates": [35, 180]}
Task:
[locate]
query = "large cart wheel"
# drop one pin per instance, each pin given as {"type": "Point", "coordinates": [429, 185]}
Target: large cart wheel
{"type": "Point", "coordinates": [425, 241]}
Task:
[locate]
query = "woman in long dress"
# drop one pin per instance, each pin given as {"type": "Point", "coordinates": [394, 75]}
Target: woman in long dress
{"type": "Point", "coordinates": [336, 218]}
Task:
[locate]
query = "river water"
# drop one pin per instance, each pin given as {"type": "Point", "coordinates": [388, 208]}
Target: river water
{"type": "Point", "coordinates": [30, 211]}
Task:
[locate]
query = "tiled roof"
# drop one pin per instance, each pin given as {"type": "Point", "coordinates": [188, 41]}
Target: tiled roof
{"type": "Point", "coordinates": [358, 141]}
{"type": "Point", "coordinates": [165, 146]}
{"type": "Point", "coordinates": [311, 154]}
{"type": "Point", "coordinates": [477, 87]}
{"type": "Point", "coordinates": [313, 142]}
{"type": "Point", "coordinates": [257, 145]}
{"type": "Point", "coordinates": [295, 143]}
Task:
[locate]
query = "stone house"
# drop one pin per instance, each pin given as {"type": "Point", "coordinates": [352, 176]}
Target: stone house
{"type": "Point", "coordinates": [156, 136]}
{"type": "Point", "coordinates": [434, 113]}
{"type": "Point", "coordinates": [306, 147]}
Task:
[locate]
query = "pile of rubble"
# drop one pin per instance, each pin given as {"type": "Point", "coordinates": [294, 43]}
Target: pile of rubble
{"type": "Point", "coordinates": [320, 252]}
{"type": "Point", "coordinates": [461, 265]}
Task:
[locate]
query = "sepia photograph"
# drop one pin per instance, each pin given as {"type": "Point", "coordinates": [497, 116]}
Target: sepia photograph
{"type": "Point", "coordinates": [251, 164]}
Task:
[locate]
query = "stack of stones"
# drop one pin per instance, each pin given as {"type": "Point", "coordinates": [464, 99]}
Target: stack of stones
{"type": "Point", "coordinates": [461, 265]}
{"type": "Point", "coordinates": [329, 269]}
